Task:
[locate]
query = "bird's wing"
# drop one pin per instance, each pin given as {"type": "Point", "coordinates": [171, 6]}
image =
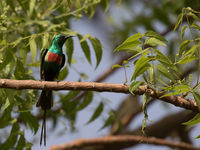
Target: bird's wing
{"type": "Point", "coordinates": [63, 60]}
{"type": "Point", "coordinates": [44, 52]}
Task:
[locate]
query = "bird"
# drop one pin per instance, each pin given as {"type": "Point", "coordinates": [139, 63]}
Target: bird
{"type": "Point", "coordinates": [52, 61]}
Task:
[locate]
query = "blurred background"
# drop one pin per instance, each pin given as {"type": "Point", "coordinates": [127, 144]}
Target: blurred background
{"type": "Point", "coordinates": [112, 22]}
{"type": "Point", "coordinates": [121, 20]}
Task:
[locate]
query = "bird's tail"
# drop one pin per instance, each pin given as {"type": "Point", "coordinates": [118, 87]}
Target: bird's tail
{"type": "Point", "coordinates": [45, 102]}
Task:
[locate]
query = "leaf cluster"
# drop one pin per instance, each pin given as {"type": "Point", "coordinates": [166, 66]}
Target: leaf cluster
{"type": "Point", "coordinates": [26, 29]}
{"type": "Point", "coordinates": [157, 70]}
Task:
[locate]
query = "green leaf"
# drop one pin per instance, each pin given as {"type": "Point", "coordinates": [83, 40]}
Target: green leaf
{"type": "Point", "coordinates": [58, 3]}
{"type": "Point", "coordinates": [178, 89]}
{"type": "Point", "coordinates": [84, 76]}
{"type": "Point", "coordinates": [19, 70]}
{"type": "Point", "coordinates": [8, 58]}
{"type": "Point", "coordinates": [144, 67]}
{"type": "Point", "coordinates": [109, 120]}
{"type": "Point", "coordinates": [195, 17]}
{"type": "Point", "coordinates": [85, 37]}
{"type": "Point", "coordinates": [133, 50]}
{"type": "Point", "coordinates": [28, 146]}
{"type": "Point", "coordinates": [151, 74]}
{"type": "Point", "coordinates": [97, 112]}
{"type": "Point", "coordinates": [21, 143]}
{"type": "Point", "coordinates": [91, 11]}
{"type": "Point", "coordinates": [116, 66]}
{"type": "Point", "coordinates": [85, 48]}
{"type": "Point", "coordinates": [69, 50]}
{"type": "Point", "coordinates": [5, 118]}
{"type": "Point", "coordinates": [187, 59]}
{"type": "Point", "coordinates": [179, 20]}
{"type": "Point", "coordinates": [130, 44]}
{"type": "Point", "coordinates": [45, 41]}
{"type": "Point", "coordinates": [183, 47]}
{"type": "Point", "coordinates": [134, 85]}
{"type": "Point", "coordinates": [141, 66]}
{"type": "Point", "coordinates": [197, 137]}
{"type": "Point", "coordinates": [63, 74]}
{"type": "Point", "coordinates": [196, 26]}
{"type": "Point", "coordinates": [33, 48]}
{"type": "Point", "coordinates": [163, 58]}
{"type": "Point", "coordinates": [31, 120]}
{"type": "Point", "coordinates": [137, 54]}
{"type": "Point", "coordinates": [154, 42]}
{"type": "Point", "coordinates": [183, 31]}
{"type": "Point", "coordinates": [173, 93]}
{"type": "Point", "coordinates": [5, 106]}
{"type": "Point", "coordinates": [155, 35]}
{"type": "Point", "coordinates": [69, 102]}
{"type": "Point", "coordinates": [134, 37]}
{"type": "Point", "coordinates": [11, 4]}
{"type": "Point", "coordinates": [87, 100]}
{"type": "Point", "coordinates": [193, 121]}
{"type": "Point", "coordinates": [105, 4]}
{"type": "Point", "coordinates": [164, 71]}
{"type": "Point", "coordinates": [125, 62]}
{"type": "Point", "coordinates": [197, 98]}
{"type": "Point", "coordinates": [71, 95]}
{"type": "Point", "coordinates": [192, 50]}
{"type": "Point", "coordinates": [12, 139]}
{"type": "Point", "coordinates": [97, 48]}
{"type": "Point", "coordinates": [189, 55]}
{"type": "Point", "coordinates": [182, 87]}
{"type": "Point", "coordinates": [144, 110]}
{"type": "Point", "coordinates": [31, 6]}
{"type": "Point", "coordinates": [192, 10]}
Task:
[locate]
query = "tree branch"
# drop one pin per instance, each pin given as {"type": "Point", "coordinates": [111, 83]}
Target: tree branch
{"type": "Point", "coordinates": [100, 87]}
{"type": "Point", "coordinates": [64, 85]}
{"type": "Point", "coordinates": [118, 141]}
{"type": "Point", "coordinates": [171, 123]}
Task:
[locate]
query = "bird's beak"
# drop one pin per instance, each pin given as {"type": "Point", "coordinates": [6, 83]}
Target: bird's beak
{"type": "Point", "coordinates": [66, 37]}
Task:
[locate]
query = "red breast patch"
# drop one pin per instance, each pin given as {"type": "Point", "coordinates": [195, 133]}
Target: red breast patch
{"type": "Point", "coordinates": [52, 57]}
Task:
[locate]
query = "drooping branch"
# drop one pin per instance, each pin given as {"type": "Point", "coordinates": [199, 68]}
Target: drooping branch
{"type": "Point", "coordinates": [170, 123]}
{"type": "Point", "coordinates": [118, 141]}
{"type": "Point", "coordinates": [100, 87]}
{"type": "Point", "coordinates": [128, 117]}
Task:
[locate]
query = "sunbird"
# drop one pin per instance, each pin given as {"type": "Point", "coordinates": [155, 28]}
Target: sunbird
{"type": "Point", "coordinates": [52, 61]}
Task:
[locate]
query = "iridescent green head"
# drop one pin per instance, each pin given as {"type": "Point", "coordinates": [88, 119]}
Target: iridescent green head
{"type": "Point", "coordinates": [57, 43]}
{"type": "Point", "coordinates": [60, 39]}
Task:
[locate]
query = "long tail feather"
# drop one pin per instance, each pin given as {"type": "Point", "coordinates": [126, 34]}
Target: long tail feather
{"type": "Point", "coordinates": [45, 102]}
{"type": "Point", "coordinates": [43, 131]}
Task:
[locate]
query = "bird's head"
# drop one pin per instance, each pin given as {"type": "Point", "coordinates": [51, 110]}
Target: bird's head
{"type": "Point", "coordinates": [60, 40]}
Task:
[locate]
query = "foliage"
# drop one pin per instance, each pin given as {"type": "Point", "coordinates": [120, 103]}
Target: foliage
{"type": "Point", "coordinates": [27, 27]}
{"type": "Point", "coordinates": [159, 71]}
